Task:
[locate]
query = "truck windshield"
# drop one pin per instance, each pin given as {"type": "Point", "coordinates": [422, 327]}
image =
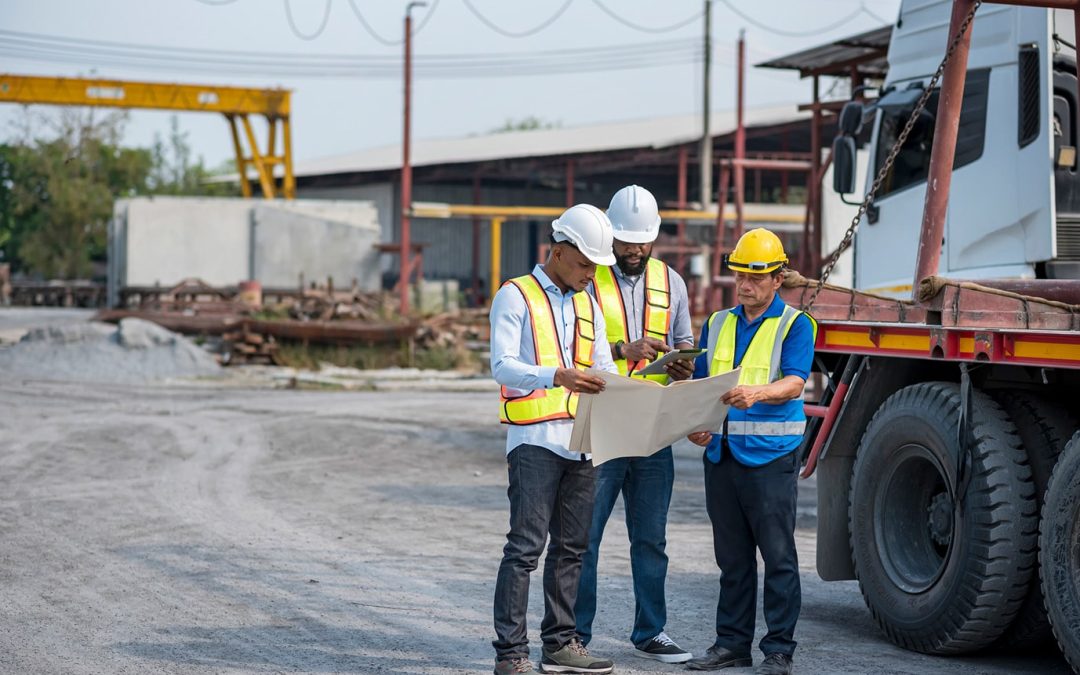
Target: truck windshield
{"type": "Point", "coordinates": [913, 161]}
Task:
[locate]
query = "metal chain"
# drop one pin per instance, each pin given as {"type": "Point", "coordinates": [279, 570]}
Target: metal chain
{"type": "Point", "coordinates": [845, 243]}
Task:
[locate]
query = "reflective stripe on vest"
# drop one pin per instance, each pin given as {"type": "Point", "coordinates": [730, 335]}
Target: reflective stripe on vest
{"type": "Point", "coordinates": [767, 428]}
{"type": "Point", "coordinates": [760, 365]}
{"type": "Point", "coordinates": [544, 405]}
{"type": "Point", "coordinates": [656, 321]}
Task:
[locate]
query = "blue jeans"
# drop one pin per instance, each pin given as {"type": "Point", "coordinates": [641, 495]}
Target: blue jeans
{"type": "Point", "coordinates": [645, 483]}
{"type": "Point", "coordinates": [549, 497]}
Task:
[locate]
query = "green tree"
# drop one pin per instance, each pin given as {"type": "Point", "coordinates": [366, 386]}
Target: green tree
{"type": "Point", "coordinates": [57, 188]}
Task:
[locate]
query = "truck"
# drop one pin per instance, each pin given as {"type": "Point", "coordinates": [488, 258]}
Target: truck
{"type": "Point", "coordinates": [946, 437]}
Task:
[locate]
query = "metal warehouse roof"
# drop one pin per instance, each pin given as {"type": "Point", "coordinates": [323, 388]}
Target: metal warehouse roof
{"type": "Point", "coordinates": [865, 51]}
{"type": "Point", "coordinates": [659, 132]}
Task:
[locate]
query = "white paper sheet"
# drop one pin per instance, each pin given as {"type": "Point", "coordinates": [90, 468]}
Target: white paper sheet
{"type": "Point", "coordinates": [635, 418]}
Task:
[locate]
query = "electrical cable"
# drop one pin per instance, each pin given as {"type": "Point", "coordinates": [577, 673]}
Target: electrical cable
{"type": "Point", "coordinates": [790, 33]}
{"type": "Point", "coordinates": [525, 33]}
{"type": "Point", "coordinates": [296, 31]}
{"type": "Point", "coordinates": [216, 3]}
{"type": "Point", "coordinates": [645, 29]}
{"type": "Point", "coordinates": [445, 66]}
{"type": "Point", "coordinates": [88, 48]}
{"type": "Point", "coordinates": [386, 41]}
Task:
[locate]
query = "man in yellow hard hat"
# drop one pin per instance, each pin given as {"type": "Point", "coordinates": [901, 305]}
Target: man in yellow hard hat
{"type": "Point", "coordinates": [751, 465]}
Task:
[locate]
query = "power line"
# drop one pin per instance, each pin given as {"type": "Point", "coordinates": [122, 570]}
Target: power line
{"type": "Point", "coordinates": [790, 33]}
{"type": "Point", "coordinates": [217, 3]}
{"type": "Point", "coordinates": [296, 31]}
{"type": "Point", "coordinates": [441, 66]}
{"type": "Point", "coordinates": [639, 27]}
{"type": "Point", "coordinates": [386, 41]}
{"type": "Point", "coordinates": [525, 33]}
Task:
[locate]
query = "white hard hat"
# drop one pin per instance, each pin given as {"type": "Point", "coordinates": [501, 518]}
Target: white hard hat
{"type": "Point", "coordinates": [634, 215]}
{"type": "Point", "coordinates": [587, 228]}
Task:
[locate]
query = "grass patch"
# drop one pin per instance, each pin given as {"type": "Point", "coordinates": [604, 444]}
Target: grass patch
{"type": "Point", "coordinates": [364, 357]}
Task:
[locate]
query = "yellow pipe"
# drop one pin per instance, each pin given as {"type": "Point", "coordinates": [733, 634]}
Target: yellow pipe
{"type": "Point", "coordinates": [496, 255]}
{"type": "Point", "coordinates": [427, 210]}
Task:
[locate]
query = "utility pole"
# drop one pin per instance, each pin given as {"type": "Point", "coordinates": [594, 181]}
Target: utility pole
{"type": "Point", "coordinates": [706, 133]}
{"type": "Point", "coordinates": [406, 167]}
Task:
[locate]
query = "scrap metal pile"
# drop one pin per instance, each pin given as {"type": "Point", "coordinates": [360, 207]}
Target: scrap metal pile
{"type": "Point", "coordinates": [246, 323]}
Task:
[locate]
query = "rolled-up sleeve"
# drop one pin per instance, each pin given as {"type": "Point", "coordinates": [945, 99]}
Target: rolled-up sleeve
{"type": "Point", "coordinates": [681, 331]}
{"type": "Point", "coordinates": [509, 317]}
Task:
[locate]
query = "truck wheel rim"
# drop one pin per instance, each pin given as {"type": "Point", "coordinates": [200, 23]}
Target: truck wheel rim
{"type": "Point", "coordinates": [914, 532]}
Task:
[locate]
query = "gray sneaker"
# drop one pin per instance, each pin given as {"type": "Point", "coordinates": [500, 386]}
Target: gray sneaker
{"type": "Point", "coordinates": [573, 658]}
{"type": "Point", "coordinates": [518, 666]}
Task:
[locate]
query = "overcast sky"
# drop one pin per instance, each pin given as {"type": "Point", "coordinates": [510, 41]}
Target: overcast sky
{"type": "Point", "coordinates": [335, 115]}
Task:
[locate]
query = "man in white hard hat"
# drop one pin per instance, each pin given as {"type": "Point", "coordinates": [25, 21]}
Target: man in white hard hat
{"type": "Point", "coordinates": [646, 313]}
{"type": "Point", "coordinates": [545, 331]}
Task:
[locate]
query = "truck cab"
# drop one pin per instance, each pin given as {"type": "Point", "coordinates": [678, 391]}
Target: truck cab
{"type": "Point", "coordinates": [1006, 217]}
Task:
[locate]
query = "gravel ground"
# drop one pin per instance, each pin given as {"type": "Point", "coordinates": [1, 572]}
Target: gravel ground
{"type": "Point", "coordinates": [207, 529]}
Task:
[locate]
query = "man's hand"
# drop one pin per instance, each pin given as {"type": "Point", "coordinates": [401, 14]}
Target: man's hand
{"type": "Point", "coordinates": [578, 381]}
{"type": "Point", "coordinates": [644, 349]}
{"type": "Point", "coordinates": [742, 397]}
{"type": "Point", "coordinates": [680, 369]}
{"type": "Point", "coordinates": [701, 438]}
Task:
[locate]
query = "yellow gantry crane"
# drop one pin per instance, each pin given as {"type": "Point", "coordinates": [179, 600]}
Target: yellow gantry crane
{"type": "Point", "coordinates": [236, 103]}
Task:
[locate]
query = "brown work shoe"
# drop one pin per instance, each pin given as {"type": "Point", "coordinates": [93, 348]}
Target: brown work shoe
{"type": "Point", "coordinates": [514, 666]}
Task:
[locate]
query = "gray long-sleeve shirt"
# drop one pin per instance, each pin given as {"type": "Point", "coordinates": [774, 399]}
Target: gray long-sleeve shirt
{"type": "Point", "coordinates": [633, 294]}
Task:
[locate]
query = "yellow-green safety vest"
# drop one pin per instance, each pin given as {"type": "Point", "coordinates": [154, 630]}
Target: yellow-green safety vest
{"type": "Point", "coordinates": [544, 405]}
{"type": "Point", "coordinates": [656, 322]}
{"type": "Point", "coordinates": [761, 425]}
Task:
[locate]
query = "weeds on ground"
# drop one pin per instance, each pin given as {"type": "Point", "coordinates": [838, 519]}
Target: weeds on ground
{"type": "Point", "coordinates": [365, 357]}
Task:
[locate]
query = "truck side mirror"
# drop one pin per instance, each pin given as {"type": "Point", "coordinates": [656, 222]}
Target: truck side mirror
{"type": "Point", "coordinates": [851, 118]}
{"type": "Point", "coordinates": [843, 161]}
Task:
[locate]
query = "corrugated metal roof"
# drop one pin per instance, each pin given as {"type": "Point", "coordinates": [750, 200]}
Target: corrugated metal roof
{"type": "Point", "coordinates": [656, 132]}
{"type": "Point", "coordinates": [866, 50]}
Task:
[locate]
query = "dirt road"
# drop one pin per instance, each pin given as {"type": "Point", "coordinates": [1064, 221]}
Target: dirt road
{"type": "Point", "coordinates": [209, 530]}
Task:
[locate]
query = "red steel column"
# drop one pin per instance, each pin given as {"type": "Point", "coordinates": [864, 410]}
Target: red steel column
{"type": "Point", "coordinates": [475, 290]}
{"type": "Point", "coordinates": [406, 168]}
{"type": "Point", "coordinates": [569, 183]}
{"type": "Point", "coordinates": [740, 136]}
{"type": "Point", "coordinates": [944, 150]}
{"type": "Point", "coordinates": [681, 196]}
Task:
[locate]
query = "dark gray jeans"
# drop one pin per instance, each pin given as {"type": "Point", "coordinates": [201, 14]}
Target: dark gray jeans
{"type": "Point", "coordinates": [548, 495]}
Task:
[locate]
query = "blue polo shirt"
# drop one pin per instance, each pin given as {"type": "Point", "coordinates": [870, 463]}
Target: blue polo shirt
{"type": "Point", "coordinates": [796, 358]}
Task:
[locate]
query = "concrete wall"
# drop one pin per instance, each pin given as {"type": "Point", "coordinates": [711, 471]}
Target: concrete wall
{"type": "Point", "coordinates": [163, 240]}
{"type": "Point", "coordinates": [317, 239]}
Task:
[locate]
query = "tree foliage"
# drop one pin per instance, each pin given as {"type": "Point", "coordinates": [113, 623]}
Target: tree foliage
{"type": "Point", "coordinates": [60, 177]}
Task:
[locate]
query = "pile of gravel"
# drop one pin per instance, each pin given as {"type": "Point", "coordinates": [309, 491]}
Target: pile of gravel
{"type": "Point", "coordinates": [135, 351]}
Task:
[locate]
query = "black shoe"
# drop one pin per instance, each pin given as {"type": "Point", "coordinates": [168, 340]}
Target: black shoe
{"type": "Point", "coordinates": [716, 658]}
{"type": "Point", "coordinates": [663, 649]}
{"type": "Point", "coordinates": [775, 664]}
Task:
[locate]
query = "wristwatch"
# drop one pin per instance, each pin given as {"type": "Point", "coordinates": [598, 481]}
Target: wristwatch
{"type": "Point", "coordinates": [618, 349]}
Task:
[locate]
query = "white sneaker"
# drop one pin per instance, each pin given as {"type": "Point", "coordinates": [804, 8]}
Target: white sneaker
{"type": "Point", "coordinates": [663, 649]}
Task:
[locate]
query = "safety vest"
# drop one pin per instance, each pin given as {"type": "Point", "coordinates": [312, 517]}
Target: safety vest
{"type": "Point", "coordinates": [544, 405]}
{"type": "Point", "coordinates": [657, 319]}
{"type": "Point", "coordinates": [774, 429]}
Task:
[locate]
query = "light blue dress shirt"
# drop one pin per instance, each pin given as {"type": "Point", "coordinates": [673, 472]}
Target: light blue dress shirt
{"type": "Point", "coordinates": [513, 358]}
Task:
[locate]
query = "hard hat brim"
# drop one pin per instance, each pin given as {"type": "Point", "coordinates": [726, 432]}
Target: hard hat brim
{"type": "Point", "coordinates": [606, 260]}
{"type": "Point", "coordinates": [748, 267]}
{"type": "Point", "coordinates": [630, 237]}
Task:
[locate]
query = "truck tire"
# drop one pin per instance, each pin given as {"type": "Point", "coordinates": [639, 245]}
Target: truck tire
{"type": "Point", "coordinates": [1044, 427]}
{"type": "Point", "coordinates": [1059, 552]}
{"type": "Point", "coordinates": [938, 579]}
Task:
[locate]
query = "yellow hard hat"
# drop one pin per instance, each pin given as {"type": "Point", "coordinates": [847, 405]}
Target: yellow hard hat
{"type": "Point", "coordinates": [758, 252]}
